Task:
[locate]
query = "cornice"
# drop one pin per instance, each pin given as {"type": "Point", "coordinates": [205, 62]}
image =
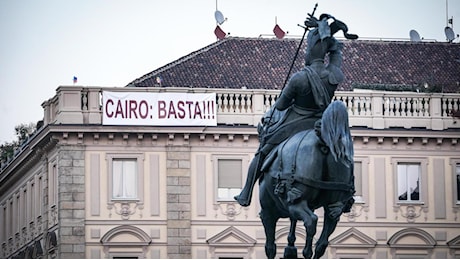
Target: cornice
{"type": "Point", "coordinates": [47, 137]}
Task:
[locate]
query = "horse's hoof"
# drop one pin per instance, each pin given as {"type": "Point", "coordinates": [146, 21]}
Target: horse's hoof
{"type": "Point", "coordinates": [241, 201]}
{"type": "Point", "coordinates": [270, 251]}
{"type": "Point", "coordinates": [290, 252]}
{"type": "Point", "coordinates": [307, 253]}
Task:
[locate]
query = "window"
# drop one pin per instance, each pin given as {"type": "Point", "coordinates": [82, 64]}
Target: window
{"type": "Point", "coordinates": [361, 175]}
{"type": "Point", "coordinates": [124, 179]}
{"type": "Point", "coordinates": [11, 219]}
{"type": "Point", "coordinates": [24, 208]}
{"type": "Point", "coordinates": [357, 172]}
{"type": "Point", "coordinates": [33, 200]}
{"type": "Point", "coordinates": [53, 185]}
{"type": "Point", "coordinates": [457, 177]}
{"type": "Point", "coordinates": [17, 215]}
{"type": "Point", "coordinates": [408, 177]}
{"type": "Point", "coordinates": [39, 197]}
{"type": "Point", "coordinates": [3, 230]}
{"type": "Point", "coordinates": [229, 178]}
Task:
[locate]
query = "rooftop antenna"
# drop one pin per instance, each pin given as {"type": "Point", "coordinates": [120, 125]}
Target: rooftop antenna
{"type": "Point", "coordinates": [220, 34]}
{"type": "Point", "coordinates": [447, 13]}
{"type": "Point", "coordinates": [448, 30]}
{"type": "Point", "coordinates": [414, 36]}
{"type": "Point", "coordinates": [220, 19]}
{"type": "Point", "coordinates": [450, 35]}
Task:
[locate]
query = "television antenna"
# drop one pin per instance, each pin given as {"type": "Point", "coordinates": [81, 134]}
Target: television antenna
{"type": "Point", "coordinates": [414, 36]}
{"type": "Point", "coordinates": [220, 19]}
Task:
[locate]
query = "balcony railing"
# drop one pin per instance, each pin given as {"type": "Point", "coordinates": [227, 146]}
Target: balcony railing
{"type": "Point", "coordinates": [373, 109]}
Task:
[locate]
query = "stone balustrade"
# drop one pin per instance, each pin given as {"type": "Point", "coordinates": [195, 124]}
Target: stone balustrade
{"type": "Point", "coordinates": [371, 109]}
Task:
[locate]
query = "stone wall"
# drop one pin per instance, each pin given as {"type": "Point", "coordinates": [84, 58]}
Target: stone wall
{"type": "Point", "coordinates": [178, 201]}
{"type": "Point", "coordinates": [71, 197]}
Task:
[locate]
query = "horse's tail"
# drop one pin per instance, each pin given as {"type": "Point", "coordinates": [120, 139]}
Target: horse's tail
{"type": "Point", "coordinates": [335, 132]}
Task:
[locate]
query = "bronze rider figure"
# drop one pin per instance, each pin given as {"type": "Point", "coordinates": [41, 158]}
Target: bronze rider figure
{"type": "Point", "coordinates": [305, 97]}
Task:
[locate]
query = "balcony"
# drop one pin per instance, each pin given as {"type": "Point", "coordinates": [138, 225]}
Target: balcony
{"type": "Point", "coordinates": [372, 109]}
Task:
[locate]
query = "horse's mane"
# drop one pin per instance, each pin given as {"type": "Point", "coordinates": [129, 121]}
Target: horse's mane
{"type": "Point", "coordinates": [335, 132]}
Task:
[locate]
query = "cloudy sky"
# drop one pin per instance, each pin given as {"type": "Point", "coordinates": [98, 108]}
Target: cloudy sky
{"type": "Point", "coordinates": [44, 44]}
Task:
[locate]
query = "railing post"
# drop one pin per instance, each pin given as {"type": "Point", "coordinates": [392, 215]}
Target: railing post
{"type": "Point", "coordinates": [436, 112]}
{"type": "Point", "coordinates": [94, 111]}
{"type": "Point", "coordinates": [258, 107]}
{"type": "Point", "coordinates": [69, 106]}
{"type": "Point", "coordinates": [46, 112]}
{"type": "Point", "coordinates": [377, 111]}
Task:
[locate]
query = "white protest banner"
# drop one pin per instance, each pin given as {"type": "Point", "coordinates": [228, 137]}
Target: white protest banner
{"type": "Point", "coordinates": [159, 109]}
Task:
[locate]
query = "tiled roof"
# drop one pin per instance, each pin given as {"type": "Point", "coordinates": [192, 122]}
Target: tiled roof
{"type": "Point", "coordinates": [260, 63]}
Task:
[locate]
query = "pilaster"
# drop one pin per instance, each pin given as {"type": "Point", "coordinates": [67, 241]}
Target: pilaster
{"type": "Point", "coordinates": [178, 202]}
{"type": "Point", "coordinates": [71, 192]}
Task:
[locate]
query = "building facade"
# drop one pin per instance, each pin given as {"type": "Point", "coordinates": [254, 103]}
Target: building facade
{"type": "Point", "coordinates": [81, 189]}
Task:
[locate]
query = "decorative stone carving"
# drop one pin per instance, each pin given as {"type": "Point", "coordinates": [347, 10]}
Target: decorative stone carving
{"type": "Point", "coordinates": [230, 210]}
{"type": "Point", "coordinates": [410, 212]}
{"type": "Point", "coordinates": [125, 209]}
{"type": "Point", "coordinates": [356, 211]}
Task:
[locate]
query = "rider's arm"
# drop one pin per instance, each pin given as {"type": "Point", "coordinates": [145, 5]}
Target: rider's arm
{"type": "Point", "coordinates": [289, 92]}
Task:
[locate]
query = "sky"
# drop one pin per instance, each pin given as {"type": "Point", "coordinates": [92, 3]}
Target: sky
{"type": "Point", "coordinates": [45, 43]}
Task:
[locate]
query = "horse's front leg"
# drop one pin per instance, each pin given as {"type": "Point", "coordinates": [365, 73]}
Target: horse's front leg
{"type": "Point", "coordinates": [290, 252]}
{"type": "Point", "coordinates": [269, 221]}
{"type": "Point", "coordinates": [303, 212]}
{"type": "Point", "coordinates": [330, 223]}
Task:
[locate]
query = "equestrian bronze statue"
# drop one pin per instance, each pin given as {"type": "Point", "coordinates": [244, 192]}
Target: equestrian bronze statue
{"type": "Point", "coordinates": [305, 158]}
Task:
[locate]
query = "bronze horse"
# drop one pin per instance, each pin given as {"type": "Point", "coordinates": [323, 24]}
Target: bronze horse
{"type": "Point", "coordinates": [311, 169]}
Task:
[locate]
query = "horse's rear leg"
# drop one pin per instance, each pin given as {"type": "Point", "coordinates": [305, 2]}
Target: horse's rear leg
{"type": "Point", "coordinates": [290, 252]}
{"type": "Point", "coordinates": [269, 221]}
{"type": "Point", "coordinates": [329, 226]}
{"type": "Point", "coordinates": [303, 212]}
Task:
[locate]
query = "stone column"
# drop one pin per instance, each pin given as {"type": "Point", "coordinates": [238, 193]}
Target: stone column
{"type": "Point", "coordinates": [71, 202]}
{"type": "Point", "coordinates": [178, 202]}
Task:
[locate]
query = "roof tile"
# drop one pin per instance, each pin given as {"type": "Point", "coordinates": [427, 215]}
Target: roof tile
{"type": "Point", "coordinates": [260, 63]}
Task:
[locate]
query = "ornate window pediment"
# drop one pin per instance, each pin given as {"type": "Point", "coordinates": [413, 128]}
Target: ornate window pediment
{"type": "Point", "coordinates": [411, 243]}
{"type": "Point", "coordinates": [232, 243]}
{"type": "Point", "coordinates": [352, 244]}
{"type": "Point", "coordinates": [353, 238]}
{"type": "Point", "coordinates": [454, 243]}
{"type": "Point", "coordinates": [454, 246]}
{"type": "Point", "coordinates": [412, 238]}
{"type": "Point", "coordinates": [231, 237]}
{"type": "Point", "coordinates": [116, 235]}
{"type": "Point", "coordinates": [117, 238]}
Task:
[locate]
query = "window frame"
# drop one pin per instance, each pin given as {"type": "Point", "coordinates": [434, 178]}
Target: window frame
{"type": "Point", "coordinates": [455, 163]}
{"type": "Point", "coordinates": [408, 173]}
{"type": "Point", "coordinates": [364, 198]}
{"type": "Point", "coordinates": [423, 185]}
{"type": "Point", "coordinates": [140, 176]}
{"type": "Point", "coordinates": [244, 167]}
{"type": "Point", "coordinates": [53, 183]}
{"type": "Point", "coordinates": [126, 177]}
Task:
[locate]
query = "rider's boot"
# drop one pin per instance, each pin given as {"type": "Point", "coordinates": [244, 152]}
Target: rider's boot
{"type": "Point", "coordinates": [244, 198]}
